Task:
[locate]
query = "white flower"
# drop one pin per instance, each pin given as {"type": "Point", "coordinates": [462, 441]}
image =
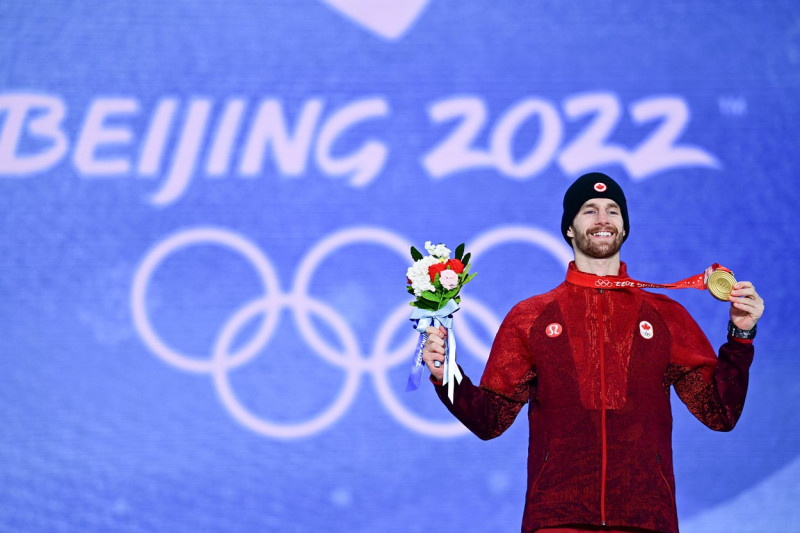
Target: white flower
{"type": "Point", "coordinates": [439, 251]}
{"type": "Point", "coordinates": [418, 274]}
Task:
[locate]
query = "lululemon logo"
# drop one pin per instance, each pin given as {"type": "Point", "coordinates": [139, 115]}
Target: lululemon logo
{"type": "Point", "coordinates": [554, 330]}
{"type": "Point", "coordinates": [389, 19]}
{"type": "Point", "coordinates": [646, 329]}
{"type": "Point", "coordinates": [600, 187]}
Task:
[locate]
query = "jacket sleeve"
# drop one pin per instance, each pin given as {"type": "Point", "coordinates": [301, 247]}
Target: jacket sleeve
{"type": "Point", "coordinates": [506, 385]}
{"type": "Point", "coordinates": [484, 412]}
{"type": "Point", "coordinates": [713, 388]}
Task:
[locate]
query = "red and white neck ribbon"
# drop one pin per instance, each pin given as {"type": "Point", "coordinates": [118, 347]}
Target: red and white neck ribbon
{"type": "Point", "coordinates": [582, 279]}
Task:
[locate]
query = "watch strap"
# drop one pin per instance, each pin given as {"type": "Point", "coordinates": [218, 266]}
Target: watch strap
{"type": "Point", "coordinates": [747, 334]}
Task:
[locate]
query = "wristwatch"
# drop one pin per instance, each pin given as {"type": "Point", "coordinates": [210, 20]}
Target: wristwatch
{"type": "Point", "coordinates": [747, 334]}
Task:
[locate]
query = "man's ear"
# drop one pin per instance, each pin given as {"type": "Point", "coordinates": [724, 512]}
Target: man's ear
{"type": "Point", "coordinates": [571, 232]}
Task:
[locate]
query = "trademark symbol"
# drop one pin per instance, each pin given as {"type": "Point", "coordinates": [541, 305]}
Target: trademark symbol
{"type": "Point", "coordinates": [735, 106]}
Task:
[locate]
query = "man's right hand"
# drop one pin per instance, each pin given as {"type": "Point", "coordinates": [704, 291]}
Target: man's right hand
{"type": "Point", "coordinates": [434, 351]}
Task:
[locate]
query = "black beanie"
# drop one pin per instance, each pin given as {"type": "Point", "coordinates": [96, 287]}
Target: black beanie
{"type": "Point", "coordinates": [588, 186]}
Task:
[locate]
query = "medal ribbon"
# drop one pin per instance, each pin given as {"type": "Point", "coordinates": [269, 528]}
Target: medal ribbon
{"type": "Point", "coordinates": [582, 279]}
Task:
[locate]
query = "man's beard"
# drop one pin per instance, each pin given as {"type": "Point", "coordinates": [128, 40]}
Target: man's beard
{"type": "Point", "coordinates": [598, 250]}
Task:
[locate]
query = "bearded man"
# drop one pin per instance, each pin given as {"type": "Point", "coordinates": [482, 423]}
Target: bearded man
{"type": "Point", "coordinates": [595, 364]}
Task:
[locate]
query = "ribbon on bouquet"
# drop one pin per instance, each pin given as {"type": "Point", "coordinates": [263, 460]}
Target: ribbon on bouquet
{"type": "Point", "coordinates": [720, 282]}
{"type": "Point", "coordinates": [422, 318]}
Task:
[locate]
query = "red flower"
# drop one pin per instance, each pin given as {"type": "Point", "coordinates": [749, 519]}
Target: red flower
{"type": "Point", "coordinates": [408, 280]}
{"type": "Point", "coordinates": [455, 265]}
{"type": "Point", "coordinates": [435, 269]}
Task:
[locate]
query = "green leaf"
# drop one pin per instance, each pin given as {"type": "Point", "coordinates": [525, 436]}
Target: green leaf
{"type": "Point", "coordinates": [415, 254]}
{"type": "Point", "coordinates": [463, 276]}
{"type": "Point", "coordinates": [466, 259]}
{"type": "Point", "coordinates": [449, 295]}
{"type": "Point", "coordinates": [428, 295]}
{"type": "Point", "coordinates": [460, 251]}
{"type": "Point", "coordinates": [425, 304]}
{"type": "Point", "coordinates": [469, 278]}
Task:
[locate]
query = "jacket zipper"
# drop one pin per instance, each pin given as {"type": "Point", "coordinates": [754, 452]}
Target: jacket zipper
{"type": "Point", "coordinates": [604, 446]}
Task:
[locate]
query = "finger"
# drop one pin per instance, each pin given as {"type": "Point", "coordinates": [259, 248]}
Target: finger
{"type": "Point", "coordinates": [746, 294]}
{"type": "Point", "coordinates": [746, 309]}
{"type": "Point", "coordinates": [434, 351]}
{"type": "Point", "coordinates": [743, 293]}
{"type": "Point", "coordinates": [433, 336]}
{"type": "Point", "coordinates": [430, 362]}
{"type": "Point", "coordinates": [434, 347]}
{"type": "Point", "coordinates": [745, 297]}
{"type": "Point", "coordinates": [431, 357]}
{"type": "Point", "coordinates": [744, 286]}
{"type": "Point", "coordinates": [749, 290]}
{"type": "Point", "coordinates": [435, 340]}
{"type": "Point", "coordinates": [744, 305]}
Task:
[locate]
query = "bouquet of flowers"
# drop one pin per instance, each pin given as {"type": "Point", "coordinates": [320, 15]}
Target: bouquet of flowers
{"type": "Point", "coordinates": [436, 280]}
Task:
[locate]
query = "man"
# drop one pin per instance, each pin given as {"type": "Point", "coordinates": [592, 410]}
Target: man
{"type": "Point", "coordinates": [596, 366]}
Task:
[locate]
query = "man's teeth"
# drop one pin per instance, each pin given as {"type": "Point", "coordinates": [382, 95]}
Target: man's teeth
{"type": "Point", "coordinates": [602, 234]}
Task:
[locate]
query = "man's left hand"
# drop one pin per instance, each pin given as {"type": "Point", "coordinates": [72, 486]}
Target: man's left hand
{"type": "Point", "coordinates": [746, 305]}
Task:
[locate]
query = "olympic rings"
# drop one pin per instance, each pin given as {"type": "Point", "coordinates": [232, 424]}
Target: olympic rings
{"type": "Point", "coordinates": [348, 355]}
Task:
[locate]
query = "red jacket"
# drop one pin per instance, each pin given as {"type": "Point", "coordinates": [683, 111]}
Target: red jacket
{"type": "Point", "coordinates": [596, 367]}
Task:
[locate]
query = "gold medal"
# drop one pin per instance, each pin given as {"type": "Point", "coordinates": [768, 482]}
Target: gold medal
{"type": "Point", "coordinates": [720, 284]}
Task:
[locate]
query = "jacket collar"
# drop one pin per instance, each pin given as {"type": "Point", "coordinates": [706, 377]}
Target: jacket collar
{"type": "Point", "coordinates": [583, 279]}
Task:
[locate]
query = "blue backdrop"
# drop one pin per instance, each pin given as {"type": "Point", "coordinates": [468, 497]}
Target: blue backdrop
{"type": "Point", "coordinates": [206, 214]}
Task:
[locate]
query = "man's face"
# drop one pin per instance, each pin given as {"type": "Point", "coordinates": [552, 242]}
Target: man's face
{"type": "Point", "coordinates": [597, 229]}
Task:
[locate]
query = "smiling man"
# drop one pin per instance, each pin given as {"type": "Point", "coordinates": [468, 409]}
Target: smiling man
{"type": "Point", "coordinates": [596, 364]}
